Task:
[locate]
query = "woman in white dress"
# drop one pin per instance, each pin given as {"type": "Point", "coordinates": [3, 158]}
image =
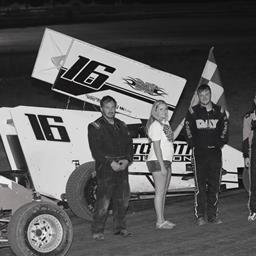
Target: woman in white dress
{"type": "Point", "coordinates": [160, 157]}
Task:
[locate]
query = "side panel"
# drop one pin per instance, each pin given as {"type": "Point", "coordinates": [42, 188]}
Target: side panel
{"type": "Point", "coordinates": [8, 136]}
{"type": "Point", "coordinates": [138, 170]}
{"type": "Point", "coordinates": [182, 176]}
{"type": "Point", "coordinates": [54, 142]}
{"type": "Point", "coordinates": [13, 195]}
{"type": "Point", "coordinates": [231, 160]}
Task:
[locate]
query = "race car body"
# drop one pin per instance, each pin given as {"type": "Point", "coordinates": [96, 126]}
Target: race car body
{"type": "Point", "coordinates": [54, 142]}
{"type": "Point", "coordinates": [50, 145]}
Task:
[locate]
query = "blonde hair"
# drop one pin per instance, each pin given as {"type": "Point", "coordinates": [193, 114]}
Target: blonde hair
{"type": "Point", "coordinates": [154, 115]}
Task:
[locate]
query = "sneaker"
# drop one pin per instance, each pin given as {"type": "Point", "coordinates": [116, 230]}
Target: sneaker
{"type": "Point", "coordinates": [123, 233]}
{"type": "Point", "coordinates": [165, 225]}
{"type": "Point", "coordinates": [215, 220]}
{"type": "Point", "coordinates": [201, 221]}
{"type": "Point", "coordinates": [98, 236]}
{"type": "Point", "coordinates": [252, 216]}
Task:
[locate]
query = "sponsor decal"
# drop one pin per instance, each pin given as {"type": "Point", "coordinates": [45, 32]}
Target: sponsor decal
{"type": "Point", "coordinates": [206, 124]}
{"type": "Point", "coordinates": [140, 152]}
{"type": "Point", "coordinates": [45, 131]}
{"type": "Point", "coordinates": [89, 73]}
{"type": "Point", "coordinates": [182, 153]}
{"type": "Point", "coordinates": [149, 88]}
{"type": "Point", "coordinates": [87, 76]}
{"type": "Point", "coordinates": [182, 158]}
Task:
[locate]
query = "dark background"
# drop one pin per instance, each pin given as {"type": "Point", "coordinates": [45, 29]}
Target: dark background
{"type": "Point", "coordinates": [173, 36]}
{"type": "Point", "coordinates": [20, 13]}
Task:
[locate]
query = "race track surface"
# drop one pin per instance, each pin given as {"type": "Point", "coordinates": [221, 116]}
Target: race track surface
{"type": "Point", "coordinates": [235, 237]}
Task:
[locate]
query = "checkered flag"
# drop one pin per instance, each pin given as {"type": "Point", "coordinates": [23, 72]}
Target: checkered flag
{"type": "Point", "coordinates": [211, 76]}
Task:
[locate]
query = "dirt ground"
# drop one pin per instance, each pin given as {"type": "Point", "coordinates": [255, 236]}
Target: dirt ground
{"type": "Point", "coordinates": [235, 237]}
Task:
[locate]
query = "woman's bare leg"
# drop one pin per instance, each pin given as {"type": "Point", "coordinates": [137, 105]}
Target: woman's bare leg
{"type": "Point", "coordinates": [160, 183]}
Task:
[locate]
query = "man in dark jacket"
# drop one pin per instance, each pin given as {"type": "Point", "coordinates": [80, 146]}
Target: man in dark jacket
{"type": "Point", "coordinates": [249, 153]}
{"type": "Point", "coordinates": [111, 147]}
{"type": "Point", "coordinates": [206, 130]}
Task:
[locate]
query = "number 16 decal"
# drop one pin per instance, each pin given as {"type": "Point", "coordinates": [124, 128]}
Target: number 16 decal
{"type": "Point", "coordinates": [44, 131]}
{"type": "Point", "coordinates": [84, 72]}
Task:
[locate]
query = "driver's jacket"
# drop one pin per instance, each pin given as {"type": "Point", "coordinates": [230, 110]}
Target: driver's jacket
{"type": "Point", "coordinates": [109, 142]}
{"type": "Point", "coordinates": [206, 129]}
{"type": "Point", "coordinates": [249, 132]}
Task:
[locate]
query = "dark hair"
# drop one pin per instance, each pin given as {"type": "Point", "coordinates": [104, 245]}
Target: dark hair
{"type": "Point", "coordinates": [107, 99]}
{"type": "Point", "coordinates": [203, 87]}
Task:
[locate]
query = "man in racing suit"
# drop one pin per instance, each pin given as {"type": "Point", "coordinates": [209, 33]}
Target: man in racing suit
{"type": "Point", "coordinates": [206, 130]}
{"type": "Point", "coordinates": [111, 147]}
{"type": "Point", "coordinates": [249, 153]}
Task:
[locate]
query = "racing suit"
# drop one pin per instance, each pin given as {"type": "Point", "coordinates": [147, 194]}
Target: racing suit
{"type": "Point", "coordinates": [206, 133]}
{"type": "Point", "coordinates": [249, 150]}
{"type": "Point", "coordinates": [107, 143]}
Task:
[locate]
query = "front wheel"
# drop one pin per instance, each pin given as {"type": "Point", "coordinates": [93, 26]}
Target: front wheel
{"type": "Point", "coordinates": [40, 228]}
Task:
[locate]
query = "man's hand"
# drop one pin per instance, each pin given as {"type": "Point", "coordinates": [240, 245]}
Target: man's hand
{"type": "Point", "coordinates": [247, 162]}
{"type": "Point", "coordinates": [123, 164]}
{"type": "Point", "coordinates": [115, 166]}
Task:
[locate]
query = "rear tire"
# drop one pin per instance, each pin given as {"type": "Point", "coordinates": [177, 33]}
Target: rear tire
{"type": "Point", "coordinates": [81, 191]}
{"type": "Point", "coordinates": [40, 228]}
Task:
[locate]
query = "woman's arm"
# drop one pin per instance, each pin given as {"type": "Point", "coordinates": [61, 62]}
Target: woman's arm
{"type": "Point", "coordinates": [159, 155]}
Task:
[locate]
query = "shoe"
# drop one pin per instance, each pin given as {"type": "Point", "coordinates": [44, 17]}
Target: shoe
{"type": "Point", "coordinates": [201, 221]}
{"type": "Point", "coordinates": [171, 223]}
{"type": "Point", "coordinates": [165, 225]}
{"type": "Point", "coordinates": [215, 220]}
{"type": "Point", "coordinates": [98, 236]}
{"type": "Point", "coordinates": [123, 233]}
{"type": "Point", "coordinates": [252, 216]}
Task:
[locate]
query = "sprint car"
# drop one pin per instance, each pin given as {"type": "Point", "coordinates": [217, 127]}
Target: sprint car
{"type": "Point", "coordinates": [47, 161]}
{"type": "Point", "coordinates": [50, 155]}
